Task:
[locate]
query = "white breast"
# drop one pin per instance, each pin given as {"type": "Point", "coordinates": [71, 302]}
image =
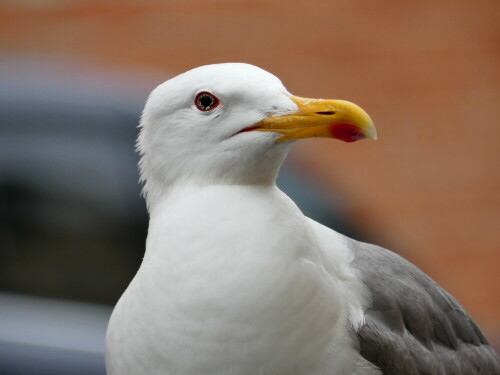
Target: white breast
{"type": "Point", "coordinates": [234, 281]}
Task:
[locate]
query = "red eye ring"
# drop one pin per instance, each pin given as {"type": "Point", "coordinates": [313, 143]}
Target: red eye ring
{"type": "Point", "coordinates": [206, 101]}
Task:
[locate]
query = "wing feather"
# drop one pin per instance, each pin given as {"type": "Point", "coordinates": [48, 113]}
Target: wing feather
{"type": "Point", "coordinates": [413, 326]}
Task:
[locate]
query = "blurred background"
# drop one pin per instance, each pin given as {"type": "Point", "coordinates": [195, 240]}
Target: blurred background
{"type": "Point", "coordinates": [74, 76]}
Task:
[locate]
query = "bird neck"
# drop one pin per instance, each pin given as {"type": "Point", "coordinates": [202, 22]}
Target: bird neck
{"type": "Point", "coordinates": [181, 193]}
{"type": "Point", "coordinates": [157, 191]}
{"type": "Point", "coordinates": [163, 175]}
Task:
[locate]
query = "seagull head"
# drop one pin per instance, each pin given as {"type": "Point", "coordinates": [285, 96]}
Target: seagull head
{"type": "Point", "coordinates": [232, 123]}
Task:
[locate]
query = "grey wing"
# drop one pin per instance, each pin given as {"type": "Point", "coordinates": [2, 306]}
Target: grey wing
{"type": "Point", "coordinates": [413, 326]}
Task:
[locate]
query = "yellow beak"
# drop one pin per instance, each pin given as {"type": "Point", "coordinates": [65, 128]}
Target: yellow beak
{"type": "Point", "coordinates": [321, 118]}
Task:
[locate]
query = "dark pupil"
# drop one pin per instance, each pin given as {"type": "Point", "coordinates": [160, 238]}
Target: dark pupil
{"type": "Point", "coordinates": [206, 101]}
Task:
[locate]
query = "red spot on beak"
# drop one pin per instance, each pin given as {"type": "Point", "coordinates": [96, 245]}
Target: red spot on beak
{"type": "Point", "coordinates": [346, 132]}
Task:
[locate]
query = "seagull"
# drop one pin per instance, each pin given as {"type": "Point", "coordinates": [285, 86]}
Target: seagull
{"type": "Point", "coordinates": [235, 280]}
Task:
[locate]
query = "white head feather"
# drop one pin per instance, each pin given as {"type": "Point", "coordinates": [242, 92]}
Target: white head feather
{"type": "Point", "coordinates": [179, 144]}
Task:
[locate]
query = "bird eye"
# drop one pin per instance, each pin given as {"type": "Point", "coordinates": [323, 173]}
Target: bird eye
{"type": "Point", "coordinates": [205, 101]}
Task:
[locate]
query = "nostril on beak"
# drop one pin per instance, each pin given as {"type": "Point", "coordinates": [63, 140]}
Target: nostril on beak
{"type": "Point", "coordinates": [326, 113]}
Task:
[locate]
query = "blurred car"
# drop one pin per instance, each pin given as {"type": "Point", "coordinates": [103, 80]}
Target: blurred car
{"type": "Point", "coordinates": [72, 222]}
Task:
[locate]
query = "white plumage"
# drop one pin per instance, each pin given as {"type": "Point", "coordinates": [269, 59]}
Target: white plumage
{"type": "Point", "coordinates": [235, 279]}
